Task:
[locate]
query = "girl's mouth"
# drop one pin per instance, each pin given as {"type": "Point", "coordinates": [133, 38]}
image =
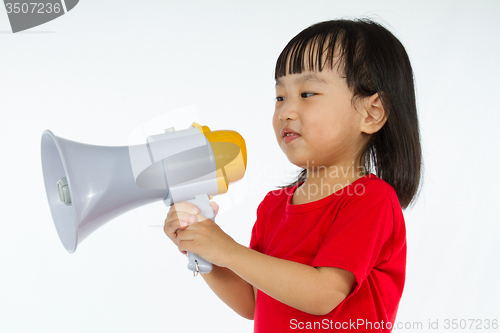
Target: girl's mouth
{"type": "Point", "coordinates": [289, 137]}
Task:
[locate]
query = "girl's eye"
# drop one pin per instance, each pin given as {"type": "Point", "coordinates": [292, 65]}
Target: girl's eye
{"type": "Point", "coordinates": [306, 94]}
{"type": "Point", "coordinates": [280, 99]}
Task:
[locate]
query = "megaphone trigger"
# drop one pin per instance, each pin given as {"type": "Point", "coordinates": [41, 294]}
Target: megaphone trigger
{"type": "Point", "coordinates": [195, 262]}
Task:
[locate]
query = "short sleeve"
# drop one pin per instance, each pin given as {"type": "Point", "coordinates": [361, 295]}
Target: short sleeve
{"type": "Point", "coordinates": [257, 228]}
{"type": "Point", "coordinates": [253, 241]}
{"type": "Point", "coordinates": [359, 236]}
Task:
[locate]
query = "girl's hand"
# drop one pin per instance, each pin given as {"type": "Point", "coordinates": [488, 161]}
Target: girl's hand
{"type": "Point", "coordinates": [207, 240]}
{"type": "Point", "coordinates": [180, 216]}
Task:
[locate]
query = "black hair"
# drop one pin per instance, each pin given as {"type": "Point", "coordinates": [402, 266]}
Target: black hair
{"type": "Point", "coordinates": [373, 61]}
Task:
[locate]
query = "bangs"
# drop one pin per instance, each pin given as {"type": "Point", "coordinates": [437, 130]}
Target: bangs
{"type": "Point", "coordinates": [312, 51]}
{"type": "Point", "coordinates": [331, 43]}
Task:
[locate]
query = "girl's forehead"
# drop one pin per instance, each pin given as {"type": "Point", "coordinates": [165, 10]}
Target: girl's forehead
{"type": "Point", "coordinates": [325, 77]}
{"type": "Point", "coordinates": [305, 76]}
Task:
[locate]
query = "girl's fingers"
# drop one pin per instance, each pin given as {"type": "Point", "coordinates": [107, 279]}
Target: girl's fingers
{"type": "Point", "coordinates": [177, 221]}
{"type": "Point", "coordinates": [191, 208]}
{"type": "Point", "coordinates": [187, 207]}
{"type": "Point", "coordinates": [181, 215]}
{"type": "Point", "coordinates": [185, 219]}
{"type": "Point", "coordinates": [215, 207]}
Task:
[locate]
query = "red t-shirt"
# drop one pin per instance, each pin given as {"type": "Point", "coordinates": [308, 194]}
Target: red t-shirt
{"type": "Point", "coordinates": [359, 228]}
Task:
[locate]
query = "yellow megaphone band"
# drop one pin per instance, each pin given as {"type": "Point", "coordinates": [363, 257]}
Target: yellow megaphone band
{"type": "Point", "coordinates": [230, 154]}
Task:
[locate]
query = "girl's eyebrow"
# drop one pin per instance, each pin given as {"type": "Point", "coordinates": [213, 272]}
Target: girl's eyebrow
{"type": "Point", "coordinates": [303, 78]}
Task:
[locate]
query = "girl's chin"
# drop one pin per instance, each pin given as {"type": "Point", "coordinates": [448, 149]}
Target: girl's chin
{"type": "Point", "coordinates": [301, 163]}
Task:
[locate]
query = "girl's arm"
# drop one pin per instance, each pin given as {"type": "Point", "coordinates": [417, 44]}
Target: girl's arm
{"type": "Point", "coordinates": [313, 290]}
{"type": "Point", "coordinates": [229, 287]}
{"type": "Point", "coordinates": [232, 290]}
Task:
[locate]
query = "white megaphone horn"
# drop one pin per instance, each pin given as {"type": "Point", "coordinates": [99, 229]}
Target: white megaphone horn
{"type": "Point", "coordinates": [88, 185]}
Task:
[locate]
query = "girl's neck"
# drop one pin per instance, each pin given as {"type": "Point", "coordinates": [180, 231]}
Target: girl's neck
{"type": "Point", "coordinates": [322, 182]}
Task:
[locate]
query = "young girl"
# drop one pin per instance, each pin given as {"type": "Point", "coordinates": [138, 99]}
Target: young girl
{"type": "Point", "coordinates": [329, 250]}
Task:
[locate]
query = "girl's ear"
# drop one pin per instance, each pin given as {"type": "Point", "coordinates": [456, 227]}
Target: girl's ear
{"type": "Point", "coordinates": [373, 115]}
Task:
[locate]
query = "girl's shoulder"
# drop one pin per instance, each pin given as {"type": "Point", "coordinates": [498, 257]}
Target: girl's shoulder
{"type": "Point", "coordinates": [373, 184]}
{"type": "Point", "coordinates": [374, 191]}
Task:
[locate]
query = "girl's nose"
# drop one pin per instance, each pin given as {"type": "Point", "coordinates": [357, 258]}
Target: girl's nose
{"type": "Point", "coordinates": [288, 110]}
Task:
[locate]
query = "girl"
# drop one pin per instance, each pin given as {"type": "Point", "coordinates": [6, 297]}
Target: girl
{"type": "Point", "coordinates": [327, 251]}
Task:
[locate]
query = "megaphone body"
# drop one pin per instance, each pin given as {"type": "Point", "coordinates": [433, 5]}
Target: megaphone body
{"type": "Point", "coordinates": [88, 185]}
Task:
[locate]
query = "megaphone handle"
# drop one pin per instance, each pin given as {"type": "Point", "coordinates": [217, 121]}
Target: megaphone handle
{"type": "Point", "coordinates": [195, 262]}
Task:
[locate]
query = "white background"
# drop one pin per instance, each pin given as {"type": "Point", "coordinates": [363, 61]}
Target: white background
{"type": "Point", "coordinates": [98, 72]}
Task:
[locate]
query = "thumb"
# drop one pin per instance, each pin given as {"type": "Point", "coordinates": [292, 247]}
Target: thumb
{"type": "Point", "coordinates": [215, 207]}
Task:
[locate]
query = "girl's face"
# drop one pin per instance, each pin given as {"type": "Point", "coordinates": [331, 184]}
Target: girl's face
{"type": "Point", "coordinates": [318, 106]}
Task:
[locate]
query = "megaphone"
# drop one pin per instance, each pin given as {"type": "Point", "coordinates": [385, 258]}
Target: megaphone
{"type": "Point", "coordinates": [88, 185]}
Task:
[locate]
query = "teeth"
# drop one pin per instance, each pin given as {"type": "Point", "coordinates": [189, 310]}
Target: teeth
{"type": "Point", "coordinates": [289, 134]}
